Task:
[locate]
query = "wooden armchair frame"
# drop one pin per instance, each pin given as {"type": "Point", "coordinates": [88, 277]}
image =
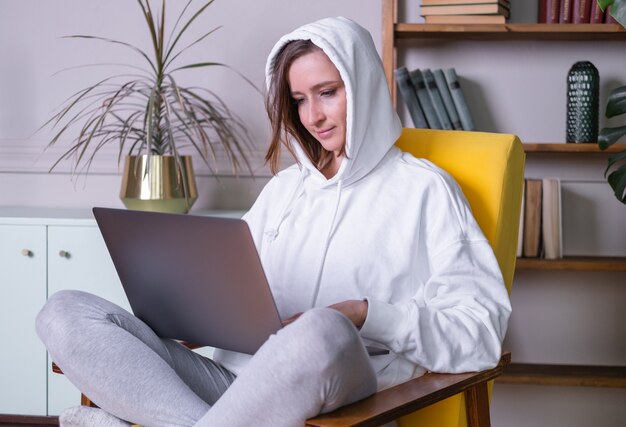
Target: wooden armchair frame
{"type": "Point", "coordinates": [404, 399]}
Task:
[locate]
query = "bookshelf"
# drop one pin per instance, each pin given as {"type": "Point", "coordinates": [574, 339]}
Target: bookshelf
{"type": "Point", "coordinates": [394, 31]}
{"type": "Point", "coordinates": [563, 148]}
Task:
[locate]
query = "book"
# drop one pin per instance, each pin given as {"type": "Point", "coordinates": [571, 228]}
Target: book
{"type": "Point", "coordinates": [419, 84]}
{"type": "Point", "coordinates": [410, 98]}
{"type": "Point", "coordinates": [549, 11]}
{"type": "Point", "coordinates": [551, 228]}
{"type": "Point", "coordinates": [532, 218]}
{"type": "Point", "coordinates": [466, 9]}
{"type": "Point", "coordinates": [458, 97]}
{"type": "Point", "coordinates": [608, 18]}
{"type": "Point", "coordinates": [455, 2]}
{"type": "Point", "coordinates": [520, 232]}
{"type": "Point", "coordinates": [597, 14]}
{"type": "Point", "coordinates": [465, 19]}
{"type": "Point", "coordinates": [581, 10]}
{"type": "Point", "coordinates": [446, 97]}
{"type": "Point", "coordinates": [435, 97]}
{"type": "Point", "coordinates": [565, 12]}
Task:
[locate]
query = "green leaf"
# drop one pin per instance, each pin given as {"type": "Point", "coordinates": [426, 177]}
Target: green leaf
{"type": "Point", "coordinates": [609, 136]}
{"type": "Point", "coordinates": [616, 103]}
{"type": "Point", "coordinates": [128, 45]}
{"type": "Point", "coordinates": [604, 3]}
{"type": "Point", "coordinates": [618, 11]}
{"type": "Point", "coordinates": [182, 31]}
{"type": "Point", "coordinates": [617, 181]}
{"type": "Point", "coordinates": [615, 159]}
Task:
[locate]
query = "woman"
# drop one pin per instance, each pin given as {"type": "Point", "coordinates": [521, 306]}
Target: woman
{"type": "Point", "coordinates": [373, 245]}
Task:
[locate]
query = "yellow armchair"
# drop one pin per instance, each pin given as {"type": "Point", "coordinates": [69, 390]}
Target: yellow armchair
{"type": "Point", "coordinates": [489, 167]}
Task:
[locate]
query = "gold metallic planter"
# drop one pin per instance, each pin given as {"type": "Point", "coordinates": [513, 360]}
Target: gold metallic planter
{"type": "Point", "coordinates": [153, 183]}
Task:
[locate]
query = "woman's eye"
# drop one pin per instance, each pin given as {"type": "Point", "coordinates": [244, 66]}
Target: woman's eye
{"type": "Point", "coordinates": [329, 92]}
{"type": "Point", "coordinates": [297, 101]}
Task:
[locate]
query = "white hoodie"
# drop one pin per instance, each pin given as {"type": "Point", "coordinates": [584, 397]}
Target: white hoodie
{"type": "Point", "coordinates": [388, 227]}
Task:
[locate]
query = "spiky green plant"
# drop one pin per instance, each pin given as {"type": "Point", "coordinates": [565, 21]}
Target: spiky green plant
{"type": "Point", "coordinates": [147, 111]}
{"type": "Point", "coordinates": [616, 105]}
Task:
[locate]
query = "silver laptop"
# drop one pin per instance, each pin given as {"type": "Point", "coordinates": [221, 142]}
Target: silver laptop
{"type": "Point", "coordinates": [193, 278]}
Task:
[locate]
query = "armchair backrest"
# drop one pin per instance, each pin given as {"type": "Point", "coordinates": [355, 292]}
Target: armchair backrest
{"type": "Point", "coordinates": [489, 167]}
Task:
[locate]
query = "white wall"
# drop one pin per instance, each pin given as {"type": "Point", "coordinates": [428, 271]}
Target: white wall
{"type": "Point", "coordinates": [32, 50]}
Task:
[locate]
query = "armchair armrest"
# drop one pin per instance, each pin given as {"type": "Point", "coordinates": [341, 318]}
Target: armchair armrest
{"type": "Point", "coordinates": [416, 394]}
{"type": "Point", "coordinates": [406, 398]}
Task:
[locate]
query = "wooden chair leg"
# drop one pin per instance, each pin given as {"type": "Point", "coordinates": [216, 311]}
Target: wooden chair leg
{"type": "Point", "coordinates": [477, 406]}
{"type": "Point", "coordinates": [85, 401]}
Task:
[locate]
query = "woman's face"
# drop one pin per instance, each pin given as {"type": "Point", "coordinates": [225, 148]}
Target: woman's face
{"type": "Point", "coordinates": [320, 95]}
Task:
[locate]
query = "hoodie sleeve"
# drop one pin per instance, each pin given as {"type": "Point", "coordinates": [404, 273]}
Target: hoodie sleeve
{"type": "Point", "coordinates": [457, 319]}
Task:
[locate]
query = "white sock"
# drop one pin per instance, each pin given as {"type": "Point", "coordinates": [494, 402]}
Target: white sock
{"type": "Point", "coordinates": [85, 416]}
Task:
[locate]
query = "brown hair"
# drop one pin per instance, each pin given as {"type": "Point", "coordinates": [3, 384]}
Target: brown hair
{"type": "Point", "coordinates": [283, 112]}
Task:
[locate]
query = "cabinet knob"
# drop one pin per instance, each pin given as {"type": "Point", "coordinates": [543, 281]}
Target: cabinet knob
{"type": "Point", "coordinates": [27, 252]}
{"type": "Point", "coordinates": [64, 254]}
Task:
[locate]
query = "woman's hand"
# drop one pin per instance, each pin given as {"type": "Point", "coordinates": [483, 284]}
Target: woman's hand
{"type": "Point", "coordinates": [355, 310]}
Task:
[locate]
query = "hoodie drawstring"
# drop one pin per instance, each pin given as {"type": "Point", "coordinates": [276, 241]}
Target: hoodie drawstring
{"type": "Point", "coordinates": [326, 245]}
{"type": "Point", "coordinates": [272, 233]}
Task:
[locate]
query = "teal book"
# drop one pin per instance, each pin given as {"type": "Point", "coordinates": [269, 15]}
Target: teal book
{"type": "Point", "coordinates": [410, 98]}
{"type": "Point", "coordinates": [417, 78]}
{"type": "Point", "coordinates": [446, 97]}
{"type": "Point", "coordinates": [435, 97]}
{"type": "Point", "coordinates": [459, 99]}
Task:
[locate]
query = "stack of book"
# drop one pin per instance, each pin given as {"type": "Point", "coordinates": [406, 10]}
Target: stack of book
{"type": "Point", "coordinates": [572, 12]}
{"type": "Point", "coordinates": [465, 11]}
{"type": "Point", "coordinates": [434, 98]}
{"type": "Point", "coordinates": [540, 231]}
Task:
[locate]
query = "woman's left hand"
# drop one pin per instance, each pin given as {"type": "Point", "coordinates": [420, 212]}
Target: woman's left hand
{"type": "Point", "coordinates": [355, 310]}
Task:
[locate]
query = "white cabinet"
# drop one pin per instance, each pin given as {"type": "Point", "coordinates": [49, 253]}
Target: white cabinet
{"type": "Point", "coordinates": [78, 259]}
{"type": "Point", "coordinates": [39, 255]}
{"type": "Point", "coordinates": [42, 252]}
{"type": "Point", "coordinates": [23, 292]}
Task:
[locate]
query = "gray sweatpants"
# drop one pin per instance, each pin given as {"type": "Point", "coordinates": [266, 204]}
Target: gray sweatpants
{"type": "Point", "coordinates": [316, 364]}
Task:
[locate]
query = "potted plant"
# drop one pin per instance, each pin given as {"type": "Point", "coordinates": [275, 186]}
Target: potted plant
{"type": "Point", "coordinates": [152, 119]}
{"type": "Point", "coordinates": [616, 105]}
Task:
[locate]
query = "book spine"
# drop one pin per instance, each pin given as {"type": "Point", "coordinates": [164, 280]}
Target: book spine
{"type": "Point", "coordinates": [553, 10]}
{"type": "Point", "coordinates": [457, 2]}
{"type": "Point", "coordinates": [466, 9]}
{"type": "Point", "coordinates": [551, 230]}
{"type": "Point", "coordinates": [446, 97]}
{"type": "Point", "coordinates": [597, 14]}
{"type": "Point", "coordinates": [410, 98]}
{"type": "Point", "coordinates": [435, 97]}
{"type": "Point", "coordinates": [608, 18]}
{"type": "Point", "coordinates": [581, 11]}
{"type": "Point", "coordinates": [459, 99]}
{"type": "Point", "coordinates": [520, 232]}
{"type": "Point", "coordinates": [565, 15]}
{"type": "Point", "coordinates": [532, 218]}
{"type": "Point", "coordinates": [419, 84]}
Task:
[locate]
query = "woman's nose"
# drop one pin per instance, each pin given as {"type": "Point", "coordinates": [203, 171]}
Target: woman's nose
{"type": "Point", "coordinates": [315, 113]}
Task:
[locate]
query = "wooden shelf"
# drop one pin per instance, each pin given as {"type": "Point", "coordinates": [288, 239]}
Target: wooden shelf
{"type": "Point", "coordinates": [579, 32]}
{"type": "Point", "coordinates": [571, 148]}
{"type": "Point", "coordinates": [564, 375]}
{"type": "Point", "coordinates": [573, 264]}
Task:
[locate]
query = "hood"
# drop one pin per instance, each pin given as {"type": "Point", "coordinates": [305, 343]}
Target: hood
{"type": "Point", "coordinates": [372, 125]}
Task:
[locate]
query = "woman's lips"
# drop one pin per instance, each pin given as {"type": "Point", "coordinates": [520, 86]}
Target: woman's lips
{"type": "Point", "coordinates": [324, 133]}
